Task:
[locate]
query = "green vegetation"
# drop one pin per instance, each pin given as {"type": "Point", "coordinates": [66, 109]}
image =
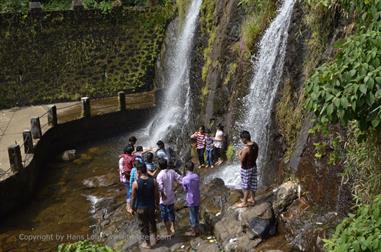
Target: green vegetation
{"type": "Point", "coordinates": [289, 117]}
{"type": "Point", "coordinates": [207, 28]}
{"type": "Point", "coordinates": [230, 152]}
{"type": "Point", "coordinates": [84, 246]}
{"type": "Point", "coordinates": [99, 56]}
{"type": "Point", "coordinates": [363, 164]}
{"type": "Point", "coordinates": [347, 91]}
{"type": "Point", "coordinates": [258, 15]}
{"type": "Point", "coordinates": [57, 5]}
{"type": "Point", "coordinates": [360, 231]}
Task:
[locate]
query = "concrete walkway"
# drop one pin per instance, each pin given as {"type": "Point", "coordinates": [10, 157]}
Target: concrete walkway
{"type": "Point", "coordinates": [13, 122]}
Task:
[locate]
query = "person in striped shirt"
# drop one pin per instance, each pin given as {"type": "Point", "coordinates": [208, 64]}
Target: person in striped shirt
{"type": "Point", "coordinates": [200, 144]}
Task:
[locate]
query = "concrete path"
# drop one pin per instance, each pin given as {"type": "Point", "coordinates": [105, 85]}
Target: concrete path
{"type": "Point", "coordinates": [13, 122]}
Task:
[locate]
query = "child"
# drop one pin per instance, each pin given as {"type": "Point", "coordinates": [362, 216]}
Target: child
{"type": "Point", "coordinates": [209, 148]}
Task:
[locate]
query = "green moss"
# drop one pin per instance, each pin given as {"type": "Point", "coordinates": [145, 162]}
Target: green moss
{"type": "Point", "coordinates": [230, 152]}
{"type": "Point", "coordinates": [58, 59]}
{"type": "Point", "coordinates": [231, 71]}
{"type": "Point", "coordinates": [289, 118]}
{"type": "Point", "coordinates": [259, 15]}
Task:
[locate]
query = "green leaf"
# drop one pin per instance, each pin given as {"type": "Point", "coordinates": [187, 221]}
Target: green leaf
{"type": "Point", "coordinates": [375, 122]}
{"type": "Point", "coordinates": [378, 80]}
{"type": "Point", "coordinates": [344, 102]}
{"type": "Point", "coordinates": [363, 89]}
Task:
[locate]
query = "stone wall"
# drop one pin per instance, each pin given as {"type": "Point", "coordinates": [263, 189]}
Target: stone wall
{"type": "Point", "coordinates": [60, 56]}
{"type": "Point", "coordinates": [19, 188]}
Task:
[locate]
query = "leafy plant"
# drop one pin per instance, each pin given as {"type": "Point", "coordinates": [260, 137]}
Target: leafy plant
{"type": "Point", "coordinates": [350, 87]}
{"type": "Point", "coordinates": [84, 246]}
{"type": "Point", "coordinates": [360, 231]}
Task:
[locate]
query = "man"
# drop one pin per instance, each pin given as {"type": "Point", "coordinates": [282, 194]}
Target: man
{"type": "Point", "coordinates": [199, 136]}
{"type": "Point", "coordinates": [248, 157]}
{"type": "Point", "coordinates": [126, 162]}
{"type": "Point", "coordinates": [166, 179]}
{"type": "Point", "coordinates": [191, 185]}
{"type": "Point", "coordinates": [161, 153]}
{"type": "Point", "coordinates": [145, 200]}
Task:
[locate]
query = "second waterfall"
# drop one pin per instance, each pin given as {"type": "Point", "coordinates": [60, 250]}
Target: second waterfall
{"type": "Point", "coordinates": [259, 103]}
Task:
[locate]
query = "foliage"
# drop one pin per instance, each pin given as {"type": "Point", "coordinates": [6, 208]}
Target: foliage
{"type": "Point", "coordinates": [14, 5]}
{"type": "Point", "coordinates": [350, 87]}
{"type": "Point", "coordinates": [56, 5]}
{"type": "Point", "coordinates": [360, 231]}
{"type": "Point", "coordinates": [84, 246]}
{"type": "Point", "coordinates": [363, 164]}
{"type": "Point", "coordinates": [230, 152]}
{"type": "Point", "coordinates": [260, 13]}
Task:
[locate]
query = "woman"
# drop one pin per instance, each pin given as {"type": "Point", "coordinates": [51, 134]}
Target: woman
{"type": "Point", "coordinates": [218, 143]}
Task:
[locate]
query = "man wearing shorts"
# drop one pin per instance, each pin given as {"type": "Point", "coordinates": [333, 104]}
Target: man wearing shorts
{"type": "Point", "coordinates": [248, 157]}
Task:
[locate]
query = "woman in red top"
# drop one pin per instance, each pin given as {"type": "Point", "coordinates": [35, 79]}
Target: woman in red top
{"type": "Point", "coordinates": [200, 144]}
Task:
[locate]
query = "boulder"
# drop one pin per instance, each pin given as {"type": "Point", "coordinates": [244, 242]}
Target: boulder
{"type": "Point", "coordinates": [285, 194]}
{"type": "Point", "coordinates": [68, 155]}
{"type": "Point", "coordinates": [241, 243]}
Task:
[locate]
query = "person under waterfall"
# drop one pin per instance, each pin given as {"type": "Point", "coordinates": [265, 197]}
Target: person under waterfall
{"type": "Point", "coordinates": [248, 157]}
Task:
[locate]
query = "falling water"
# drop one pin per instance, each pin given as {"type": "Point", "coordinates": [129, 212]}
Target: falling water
{"type": "Point", "coordinates": [175, 109]}
{"type": "Point", "coordinates": [263, 88]}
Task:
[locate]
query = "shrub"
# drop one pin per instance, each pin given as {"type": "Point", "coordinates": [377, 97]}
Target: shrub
{"type": "Point", "coordinates": [84, 246]}
{"type": "Point", "coordinates": [360, 231]}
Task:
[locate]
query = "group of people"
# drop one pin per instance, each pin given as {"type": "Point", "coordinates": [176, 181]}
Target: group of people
{"type": "Point", "coordinates": [209, 145]}
{"type": "Point", "coordinates": [151, 188]}
{"type": "Point", "coordinates": [150, 178]}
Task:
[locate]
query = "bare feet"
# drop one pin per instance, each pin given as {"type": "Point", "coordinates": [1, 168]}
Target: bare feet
{"type": "Point", "coordinates": [145, 245]}
{"type": "Point", "coordinates": [242, 205]}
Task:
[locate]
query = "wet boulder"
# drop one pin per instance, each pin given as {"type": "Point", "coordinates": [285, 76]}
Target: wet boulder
{"type": "Point", "coordinates": [69, 155]}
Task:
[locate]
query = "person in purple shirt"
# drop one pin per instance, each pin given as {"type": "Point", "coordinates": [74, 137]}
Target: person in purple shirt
{"type": "Point", "coordinates": [191, 185]}
{"type": "Point", "coordinates": [166, 180]}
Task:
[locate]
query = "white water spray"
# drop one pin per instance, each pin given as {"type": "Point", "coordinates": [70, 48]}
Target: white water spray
{"type": "Point", "coordinates": [259, 102]}
{"type": "Point", "coordinates": [175, 109]}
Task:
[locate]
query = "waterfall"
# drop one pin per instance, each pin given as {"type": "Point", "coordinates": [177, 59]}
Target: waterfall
{"type": "Point", "coordinates": [259, 103]}
{"type": "Point", "coordinates": [175, 109]}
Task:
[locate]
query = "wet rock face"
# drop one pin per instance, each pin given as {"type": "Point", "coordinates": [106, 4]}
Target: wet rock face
{"type": "Point", "coordinates": [101, 181]}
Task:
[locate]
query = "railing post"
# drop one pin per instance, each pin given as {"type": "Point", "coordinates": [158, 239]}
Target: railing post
{"type": "Point", "coordinates": [15, 160]}
{"type": "Point", "coordinates": [35, 7]}
{"type": "Point", "coordinates": [86, 112]}
{"type": "Point", "coordinates": [52, 116]}
{"type": "Point", "coordinates": [122, 101]}
{"type": "Point", "coordinates": [28, 141]}
{"type": "Point", "coordinates": [77, 5]}
{"type": "Point", "coordinates": [36, 127]}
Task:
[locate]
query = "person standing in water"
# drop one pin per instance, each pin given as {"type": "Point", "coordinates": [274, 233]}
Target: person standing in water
{"type": "Point", "coordinates": [166, 180]}
{"type": "Point", "coordinates": [248, 156]}
{"type": "Point", "coordinates": [145, 201]}
{"type": "Point", "coordinates": [200, 144]}
{"type": "Point", "coordinates": [126, 163]}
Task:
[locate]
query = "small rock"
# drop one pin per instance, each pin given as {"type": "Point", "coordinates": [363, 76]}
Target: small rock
{"type": "Point", "coordinates": [69, 155]}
